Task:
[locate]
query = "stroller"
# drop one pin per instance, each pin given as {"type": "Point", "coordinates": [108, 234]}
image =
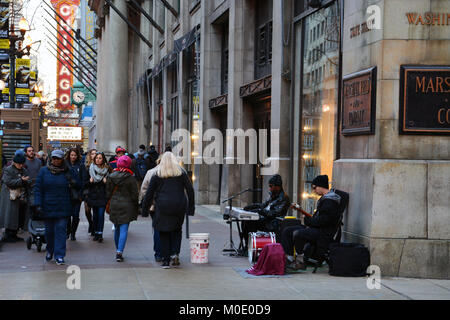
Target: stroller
{"type": "Point", "coordinates": [36, 228]}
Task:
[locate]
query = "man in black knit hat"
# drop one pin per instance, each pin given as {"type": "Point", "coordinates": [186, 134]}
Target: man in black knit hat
{"type": "Point", "coordinates": [318, 229]}
{"type": "Point", "coordinates": [276, 206]}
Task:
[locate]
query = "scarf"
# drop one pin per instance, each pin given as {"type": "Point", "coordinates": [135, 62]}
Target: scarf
{"type": "Point", "coordinates": [97, 173]}
{"type": "Point", "coordinates": [124, 170]}
{"type": "Point", "coordinates": [56, 170]}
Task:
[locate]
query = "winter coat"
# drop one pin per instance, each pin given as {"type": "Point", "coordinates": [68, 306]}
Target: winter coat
{"type": "Point", "coordinates": [170, 201]}
{"type": "Point", "coordinates": [9, 209]}
{"type": "Point", "coordinates": [52, 193]}
{"type": "Point", "coordinates": [326, 219]}
{"type": "Point", "coordinates": [77, 171]}
{"type": "Point", "coordinates": [124, 202]}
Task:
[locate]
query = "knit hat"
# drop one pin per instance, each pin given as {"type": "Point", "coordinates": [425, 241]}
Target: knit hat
{"type": "Point", "coordinates": [321, 181]}
{"type": "Point", "coordinates": [120, 149]}
{"type": "Point", "coordinates": [19, 151]}
{"type": "Point", "coordinates": [19, 158]}
{"type": "Point", "coordinates": [57, 154]}
{"type": "Point", "coordinates": [276, 180]}
{"type": "Point", "coordinates": [124, 162]}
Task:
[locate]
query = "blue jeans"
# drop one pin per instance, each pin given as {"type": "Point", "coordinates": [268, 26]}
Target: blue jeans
{"type": "Point", "coordinates": [55, 234]}
{"type": "Point", "coordinates": [120, 236]}
{"type": "Point", "coordinates": [99, 219]}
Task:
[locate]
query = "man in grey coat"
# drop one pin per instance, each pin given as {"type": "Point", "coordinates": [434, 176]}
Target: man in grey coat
{"type": "Point", "coordinates": [14, 197]}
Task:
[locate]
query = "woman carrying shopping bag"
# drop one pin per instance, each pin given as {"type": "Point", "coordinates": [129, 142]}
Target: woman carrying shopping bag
{"type": "Point", "coordinates": [122, 190]}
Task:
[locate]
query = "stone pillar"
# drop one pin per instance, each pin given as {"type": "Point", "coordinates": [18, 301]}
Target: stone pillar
{"type": "Point", "coordinates": [281, 86]}
{"type": "Point", "coordinates": [399, 185]}
{"type": "Point", "coordinates": [112, 124]}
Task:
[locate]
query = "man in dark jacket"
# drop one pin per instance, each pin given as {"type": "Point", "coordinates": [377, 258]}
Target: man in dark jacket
{"type": "Point", "coordinates": [113, 160]}
{"type": "Point", "coordinates": [276, 206]}
{"type": "Point", "coordinates": [151, 157]}
{"type": "Point", "coordinates": [318, 229]}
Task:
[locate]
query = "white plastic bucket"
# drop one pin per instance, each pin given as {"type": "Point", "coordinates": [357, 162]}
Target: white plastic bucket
{"type": "Point", "coordinates": [199, 247]}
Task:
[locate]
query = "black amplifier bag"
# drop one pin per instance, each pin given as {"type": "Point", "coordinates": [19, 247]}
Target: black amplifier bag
{"type": "Point", "coordinates": [348, 260]}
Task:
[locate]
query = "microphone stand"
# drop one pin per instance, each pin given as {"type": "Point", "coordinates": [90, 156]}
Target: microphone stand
{"type": "Point", "coordinates": [232, 251]}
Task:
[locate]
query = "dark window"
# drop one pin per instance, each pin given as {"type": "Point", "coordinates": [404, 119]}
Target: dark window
{"type": "Point", "coordinates": [224, 62]}
{"type": "Point", "coordinates": [263, 38]}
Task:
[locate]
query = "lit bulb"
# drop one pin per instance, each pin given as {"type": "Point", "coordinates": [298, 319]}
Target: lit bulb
{"type": "Point", "coordinates": [23, 24]}
{"type": "Point", "coordinates": [45, 124]}
{"type": "Point", "coordinates": [326, 108]}
{"type": "Point", "coordinates": [304, 195]}
{"type": "Point", "coordinates": [194, 137]}
{"type": "Point", "coordinates": [27, 43]}
{"type": "Point", "coordinates": [305, 156]}
{"type": "Point", "coordinates": [2, 85]}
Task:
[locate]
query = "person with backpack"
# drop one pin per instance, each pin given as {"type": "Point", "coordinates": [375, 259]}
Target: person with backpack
{"type": "Point", "coordinates": [318, 228]}
{"type": "Point", "coordinates": [121, 189]}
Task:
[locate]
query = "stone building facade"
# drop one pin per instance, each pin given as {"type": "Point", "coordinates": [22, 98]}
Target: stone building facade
{"type": "Point", "coordinates": [303, 71]}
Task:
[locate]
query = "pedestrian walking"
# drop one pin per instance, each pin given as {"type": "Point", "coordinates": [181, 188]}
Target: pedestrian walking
{"type": "Point", "coordinates": [53, 203]}
{"type": "Point", "coordinates": [14, 197]}
{"type": "Point", "coordinates": [143, 191]}
{"type": "Point", "coordinates": [73, 162]}
{"type": "Point", "coordinates": [113, 160]}
{"type": "Point", "coordinates": [167, 189]}
{"type": "Point", "coordinates": [152, 156]}
{"type": "Point", "coordinates": [122, 190]}
{"type": "Point", "coordinates": [87, 209]}
{"type": "Point", "coordinates": [140, 166]}
{"type": "Point", "coordinates": [33, 164]}
{"type": "Point", "coordinates": [99, 171]}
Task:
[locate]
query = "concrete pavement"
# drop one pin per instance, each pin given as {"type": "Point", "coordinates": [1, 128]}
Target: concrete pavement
{"type": "Point", "coordinates": [24, 274]}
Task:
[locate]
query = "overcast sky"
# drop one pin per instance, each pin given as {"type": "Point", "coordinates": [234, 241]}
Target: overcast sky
{"type": "Point", "coordinates": [46, 62]}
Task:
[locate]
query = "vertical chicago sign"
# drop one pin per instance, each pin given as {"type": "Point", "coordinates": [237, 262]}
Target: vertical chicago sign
{"type": "Point", "coordinates": [67, 10]}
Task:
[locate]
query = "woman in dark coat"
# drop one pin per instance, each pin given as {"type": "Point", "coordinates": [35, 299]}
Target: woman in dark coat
{"type": "Point", "coordinates": [122, 189]}
{"type": "Point", "coordinates": [85, 169]}
{"type": "Point", "coordinates": [15, 177]}
{"type": "Point", "coordinates": [99, 171]}
{"type": "Point", "coordinates": [53, 202]}
{"type": "Point", "coordinates": [73, 162]}
{"type": "Point", "coordinates": [167, 189]}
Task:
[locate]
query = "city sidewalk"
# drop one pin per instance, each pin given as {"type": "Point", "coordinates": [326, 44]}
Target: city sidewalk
{"type": "Point", "coordinates": [24, 274]}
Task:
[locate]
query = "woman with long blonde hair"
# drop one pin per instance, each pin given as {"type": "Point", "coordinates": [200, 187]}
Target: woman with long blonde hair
{"type": "Point", "coordinates": [167, 188]}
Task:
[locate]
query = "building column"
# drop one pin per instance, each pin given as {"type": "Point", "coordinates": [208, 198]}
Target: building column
{"type": "Point", "coordinates": [112, 129]}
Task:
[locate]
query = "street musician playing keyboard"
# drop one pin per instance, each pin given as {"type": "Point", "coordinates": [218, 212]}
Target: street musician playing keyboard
{"type": "Point", "coordinates": [276, 206]}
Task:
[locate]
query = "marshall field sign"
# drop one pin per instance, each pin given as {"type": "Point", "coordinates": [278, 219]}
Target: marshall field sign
{"type": "Point", "coordinates": [424, 100]}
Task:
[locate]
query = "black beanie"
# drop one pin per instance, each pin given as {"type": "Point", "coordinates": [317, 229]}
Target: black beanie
{"type": "Point", "coordinates": [276, 180]}
{"type": "Point", "coordinates": [19, 158]}
{"type": "Point", "coordinates": [321, 181]}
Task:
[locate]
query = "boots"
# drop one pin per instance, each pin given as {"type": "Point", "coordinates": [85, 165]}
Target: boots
{"type": "Point", "coordinates": [75, 222]}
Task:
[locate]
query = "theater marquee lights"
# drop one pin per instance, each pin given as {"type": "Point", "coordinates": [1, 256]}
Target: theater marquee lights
{"type": "Point", "coordinates": [67, 10]}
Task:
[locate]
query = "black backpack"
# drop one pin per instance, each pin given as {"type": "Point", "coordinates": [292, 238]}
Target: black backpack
{"type": "Point", "coordinates": [348, 260]}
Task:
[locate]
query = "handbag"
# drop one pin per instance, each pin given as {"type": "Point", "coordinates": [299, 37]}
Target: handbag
{"type": "Point", "coordinates": [108, 204]}
{"type": "Point", "coordinates": [74, 195]}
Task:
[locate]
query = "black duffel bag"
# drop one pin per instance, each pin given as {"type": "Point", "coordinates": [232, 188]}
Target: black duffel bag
{"type": "Point", "coordinates": [348, 260]}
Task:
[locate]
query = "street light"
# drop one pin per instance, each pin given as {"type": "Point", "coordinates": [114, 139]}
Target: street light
{"type": "Point", "coordinates": [13, 53]}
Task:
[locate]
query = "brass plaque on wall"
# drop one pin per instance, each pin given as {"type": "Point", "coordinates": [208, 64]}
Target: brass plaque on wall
{"type": "Point", "coordinates": [359, 102]}
{"type": "Point", "coordinates": [424, 100]}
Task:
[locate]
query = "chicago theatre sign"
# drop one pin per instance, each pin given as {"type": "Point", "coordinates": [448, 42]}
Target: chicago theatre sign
{"type": "Point", "coordinates": [66, 10]}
